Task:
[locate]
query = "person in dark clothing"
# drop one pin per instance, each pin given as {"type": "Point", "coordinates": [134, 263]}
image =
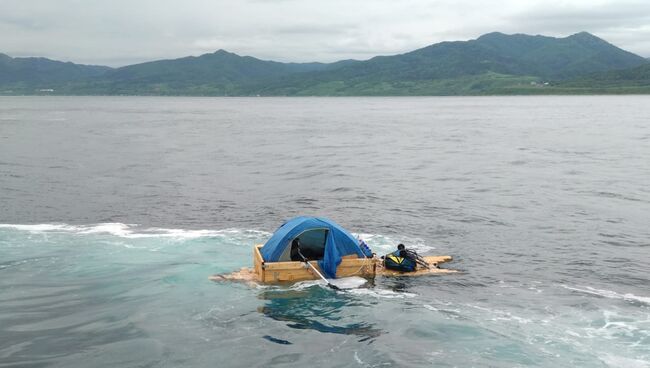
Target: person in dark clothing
{"type": "Point", "coordinates": [410, 254]}
{"type": "Point", "coordinates": [400, 260]}
{"type": "Point", "coordinates": [295, 249]}
{"type": "Point", "coordinates": [401, 251]}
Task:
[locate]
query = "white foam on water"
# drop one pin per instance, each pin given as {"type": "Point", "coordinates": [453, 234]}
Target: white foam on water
{"type": "Point", "coordinates": [610, 294]}
{"type": "Point", "coordinates": [307, 284]}
{"type": "Point", "coordinates": [356, 357]}
{"type": "Point", "coordinates": [364, 236]}
{"type": "Point", "coordinates": [351, 282]}
{"type": "Point", "coordinates": [354, 285]}
{"type": "Point", "coordinates": [117, 229]}
{"type": "Point", "coordinates": [616, 326]}
{"type": "Point", "coordinates": [619, 361]}
{"type": "Point", "coordinates": [497, 315]}
{"type": "Point", "coordinates": [382, 244]}
{"type": "Point", "coordinates": [345, 283]}
{"type": "Point", "coordinates": [37, 228]}
{"type": "Point", "coordinates": [573, 333]}
{"type": "Point", "coordinates": [381, 293]}
{"type": "Point", "coordinates": [132, 231]}
{"type": "Point", "coordinates": [448, 312]}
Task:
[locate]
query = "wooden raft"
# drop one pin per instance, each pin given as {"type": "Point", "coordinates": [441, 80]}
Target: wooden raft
{"type": "Point", "coordinates": [287, 272]}
{"type": "Point", "coordinates": [433, 262]}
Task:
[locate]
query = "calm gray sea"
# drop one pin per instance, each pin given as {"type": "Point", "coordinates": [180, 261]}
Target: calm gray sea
{"type": "Point", "coordinates": [115, 210]}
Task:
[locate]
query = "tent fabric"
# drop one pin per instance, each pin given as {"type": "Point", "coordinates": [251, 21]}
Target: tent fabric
{"type": "Point", "coordinates": [339, 242]}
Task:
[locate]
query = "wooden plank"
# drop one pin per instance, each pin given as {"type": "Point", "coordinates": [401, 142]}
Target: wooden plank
{"type": "Point", "coordinates": [298, 271]}
{"type": "Point", "coordinates": [421, 271]}
{"type": "Point", "coordinates": [245, 274]}
{"type": "Point", "coordinates": [437, 259]}
{"type": "Point", "coordinates": [346, 262]}
{"type": "Point", "coordinates": [258, 263]}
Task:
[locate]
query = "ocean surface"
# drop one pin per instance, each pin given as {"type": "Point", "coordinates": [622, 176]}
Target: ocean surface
{"type": "Point", "coordinates": [114, 212]}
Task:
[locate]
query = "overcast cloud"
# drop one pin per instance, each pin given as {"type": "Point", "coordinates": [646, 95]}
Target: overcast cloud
{"type": "Point", "coordinates": [121, 32]}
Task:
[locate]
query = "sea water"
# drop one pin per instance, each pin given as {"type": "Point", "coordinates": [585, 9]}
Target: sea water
{"type": "Point", "coordinates": [114, 212]}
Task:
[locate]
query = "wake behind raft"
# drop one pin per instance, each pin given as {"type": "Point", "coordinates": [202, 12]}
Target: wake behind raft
{"type": "Point", "coordinates": [330, 250]}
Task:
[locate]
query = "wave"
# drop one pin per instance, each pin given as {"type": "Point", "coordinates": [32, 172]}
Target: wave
{"type": "Point", "coordinates": [619, 361]}
{"type": "Point", "coordinates": [344, 283]}
{"type": "Point", "coordinates": [381, 293]}
{"type": "Point", "coordinates": [380, 244]}
{"type": "Point", "coordinates": [610, 294]}
{"type": "Point", "coordinates": [352, 285]}
{"type": "Point", "coordinates": [131, 231]}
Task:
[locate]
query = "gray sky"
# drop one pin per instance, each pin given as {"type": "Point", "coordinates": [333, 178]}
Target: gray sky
{"type": "Point", "coordinates": [120, 32]}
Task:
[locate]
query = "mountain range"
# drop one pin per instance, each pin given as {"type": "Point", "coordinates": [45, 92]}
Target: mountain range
{"type": "Point", "coordinates": [494, 63]}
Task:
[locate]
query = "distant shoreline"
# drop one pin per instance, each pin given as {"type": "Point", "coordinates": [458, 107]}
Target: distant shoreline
{"type": "Point", "coordinates": [494, 64]}
{"type": "Point", "coordinates": [346, 96]}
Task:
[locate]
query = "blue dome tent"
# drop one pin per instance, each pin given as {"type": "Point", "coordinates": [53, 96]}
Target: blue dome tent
{"type": "Point", "coordinates": [322, 238]}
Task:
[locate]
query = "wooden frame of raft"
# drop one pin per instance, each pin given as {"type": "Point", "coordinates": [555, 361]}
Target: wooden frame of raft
{"type": "Point", "coordinates": [279, 272]}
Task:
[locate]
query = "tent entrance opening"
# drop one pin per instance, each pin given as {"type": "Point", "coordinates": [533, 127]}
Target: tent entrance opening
{"type": "Point", "coordinates": [312, 243]}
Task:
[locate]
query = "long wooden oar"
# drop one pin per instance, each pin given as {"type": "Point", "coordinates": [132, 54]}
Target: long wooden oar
{"type": "Point", "coordinates": [332, 286]}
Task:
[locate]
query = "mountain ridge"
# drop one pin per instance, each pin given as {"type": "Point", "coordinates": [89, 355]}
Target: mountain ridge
{"type": "Point", "coordinates": [492, 63]}
{"type": "Point", "coordinates": [44, 70]}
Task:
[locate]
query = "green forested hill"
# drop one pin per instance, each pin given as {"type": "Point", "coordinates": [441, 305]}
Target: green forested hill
{"type": "Point", "coordinates": [558, 58]}
{"type": "Point", "coordinates": [219, 73]}
{"type": "Point", "coordinates": [494, 63]}
{"type": "Point", "coordinates": [633, 80]}
{"type": "Point", "coordinates": [639, 76]}
{"type": "Point", "coordinates": [33, 72]}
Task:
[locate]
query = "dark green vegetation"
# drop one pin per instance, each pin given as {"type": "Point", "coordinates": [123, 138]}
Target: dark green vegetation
{"type": "Point", "coordinates": [624, 80]}
{"type": "Point", "coordinates": [494, 63]}
{"type": "Point", "coordinates": [27, 74]}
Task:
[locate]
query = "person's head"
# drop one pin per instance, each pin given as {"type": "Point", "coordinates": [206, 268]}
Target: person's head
{"type": "Point", "coordinates": [295, 243]}
{"type": "Point", "coordinates": [400, 246]}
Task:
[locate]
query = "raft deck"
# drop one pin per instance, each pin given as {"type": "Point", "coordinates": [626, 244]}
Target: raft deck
{"type": "Point", "coordinates": [433, 262]}
{"type": "Point", "coordinates": [287, 272]}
